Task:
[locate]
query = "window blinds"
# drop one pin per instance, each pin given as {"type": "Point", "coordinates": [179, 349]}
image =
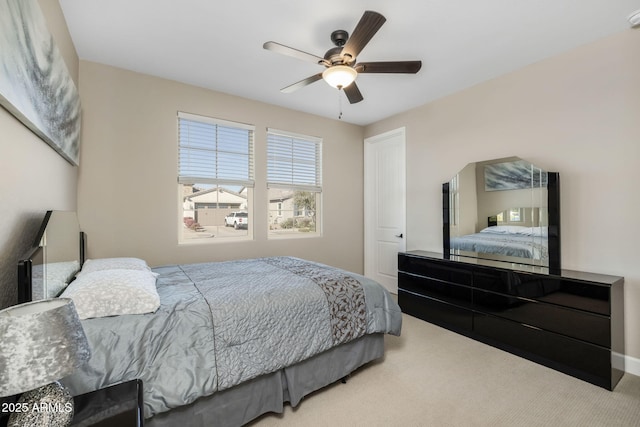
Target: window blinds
{"type": "Point", "coordinates": [214, 151]}
{"type": "Point", "coordinates": [294, 161]}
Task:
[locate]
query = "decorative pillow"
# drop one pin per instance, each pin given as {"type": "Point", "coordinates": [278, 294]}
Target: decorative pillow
{"type": "Point", "coordinates": [122, 263]}
{"type": "Point", "coordinates": [114, 292]}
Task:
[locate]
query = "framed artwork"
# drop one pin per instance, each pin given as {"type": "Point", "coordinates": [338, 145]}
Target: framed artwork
{"type": "Point", "coordinates": [35, 84]}
{"type": "Point", "coordinates": [515, 175]}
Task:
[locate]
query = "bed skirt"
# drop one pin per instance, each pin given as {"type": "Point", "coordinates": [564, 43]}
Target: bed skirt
{"type": "Point", "coordinates": [268, 393]}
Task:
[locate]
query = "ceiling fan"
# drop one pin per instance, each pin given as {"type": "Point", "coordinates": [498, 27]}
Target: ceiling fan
{"type": "Point", "coordinates": [340, 61]}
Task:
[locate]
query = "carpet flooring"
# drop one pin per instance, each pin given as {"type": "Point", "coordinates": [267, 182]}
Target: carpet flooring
{"type": "Point", "coordinates": [433, 377]}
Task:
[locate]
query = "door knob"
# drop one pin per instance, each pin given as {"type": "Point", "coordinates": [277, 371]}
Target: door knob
{"type": "Point", "coordinates": [399, 235]}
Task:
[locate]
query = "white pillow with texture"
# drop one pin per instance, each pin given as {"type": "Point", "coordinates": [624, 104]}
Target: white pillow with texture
{"type": "Point", "coordinates": [504, 229]}
{"type": "Point", "coordinates": [114, 292]}
{"type": "Point", "coordinates": [120, 263]}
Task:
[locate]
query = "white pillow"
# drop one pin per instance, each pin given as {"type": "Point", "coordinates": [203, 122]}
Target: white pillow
{"type": "Point", "coordinates": [121, 263]}
{"type": "Point", "coordinates": [517, 229]}
{"type": "Point", "coordinates": [114, 292]}
{"type": "Point", "coordinates": [504, 229]}
{"type": "Point", "coordinates": [538, 231]}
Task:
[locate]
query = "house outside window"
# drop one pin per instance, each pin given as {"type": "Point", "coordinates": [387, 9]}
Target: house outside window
{"type": "Point", "coordinates": [215, 179]}
{"type": "Point", "coordinates": [294, 182]}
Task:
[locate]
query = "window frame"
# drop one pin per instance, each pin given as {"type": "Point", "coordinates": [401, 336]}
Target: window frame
{"type": "Point", "coordinates": [314, 187]}
{"type": "Point", "coordinates": [248, 182]}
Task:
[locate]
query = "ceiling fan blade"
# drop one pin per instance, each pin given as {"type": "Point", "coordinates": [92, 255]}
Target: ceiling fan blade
{"type": "Point", "coordinates": [369, 24]}
{"type": "Point", "coordinates": [410, 67]}
{"type": "Point", "coordinates": [289, 51]}
{"type": "Point", "coordinates": [302, 83]}
{"type": "Point", "coordinates": [353, 93]}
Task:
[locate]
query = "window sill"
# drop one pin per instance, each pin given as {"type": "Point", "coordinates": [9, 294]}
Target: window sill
{"type": "Point", "coordinates": [294, 235]}
{"type": "Point", "coordinates": [214, 241]}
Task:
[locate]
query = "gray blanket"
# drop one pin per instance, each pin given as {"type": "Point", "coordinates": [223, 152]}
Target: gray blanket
{"type": "Point", "coordinates": [220, 324]}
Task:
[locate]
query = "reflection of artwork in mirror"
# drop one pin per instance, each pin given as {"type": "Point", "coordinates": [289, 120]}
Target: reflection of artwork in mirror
{"type": "Point", "coordinates": [513, 224]}
{"type": "Point", "coordinates": [513, 175]}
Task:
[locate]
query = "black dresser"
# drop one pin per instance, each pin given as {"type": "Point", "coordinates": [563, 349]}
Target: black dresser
{"type": "Point", "coordinates": [572, 322]}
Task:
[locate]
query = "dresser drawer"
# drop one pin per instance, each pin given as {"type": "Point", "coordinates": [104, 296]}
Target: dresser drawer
{"type": "Point", "coordinates": [593, 328]}
{"type": "Point", "coordinates": [436, 269]}
{"type": "Point", "coordinates": [438, 312]}
{"type": "Point", "coordinates": [586, 296]}
{"type": "Point", "coordinates": [565, 292]}
{"type": "Point", "coordinates": [583, 360]}
{"type": "Point", "coordinates": [444, 291]}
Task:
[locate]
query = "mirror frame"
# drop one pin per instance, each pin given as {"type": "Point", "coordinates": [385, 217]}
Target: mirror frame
{"type": "Point", "coordinates": [57, 231]}
{"type": "Point", "coordinates": [553, 203]}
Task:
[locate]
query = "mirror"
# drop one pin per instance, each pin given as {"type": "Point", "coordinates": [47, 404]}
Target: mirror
{"type": "Point", "coordinates": [504, 210]}
{"type": "Point", "coordinates": [60, 254]}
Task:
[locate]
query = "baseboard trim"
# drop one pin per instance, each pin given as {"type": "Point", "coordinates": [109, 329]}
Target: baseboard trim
{"type": "Point", "coordinates": [632, 365]}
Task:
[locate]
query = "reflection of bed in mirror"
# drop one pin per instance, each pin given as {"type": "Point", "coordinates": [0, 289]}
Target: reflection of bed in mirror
{"type": "Point", "coordinates": [54, 259]}
{"type": "Point", "coordinates": [507, 240]}
{"type": "Point", "coordinates": [53, 278]}
{"type": "Point", "coordinates": [504, 209]}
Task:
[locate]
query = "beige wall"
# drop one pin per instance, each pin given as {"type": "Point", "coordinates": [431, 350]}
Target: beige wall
{"type": "Point", "coordinates": [127, 192]}
{"type": "Point", "coordinates": [578, 114]}
{"type": "Point", "coordinates": [34, 177]}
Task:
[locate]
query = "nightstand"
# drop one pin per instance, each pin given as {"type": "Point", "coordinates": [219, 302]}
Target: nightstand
{"type": "Point", "coordinates": [119, 405]}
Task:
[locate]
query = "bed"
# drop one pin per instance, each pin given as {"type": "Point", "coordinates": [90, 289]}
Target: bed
{"type": "Point", "coordinates": [516, 241]}
{"type": "Point", "coordinates": [222, 343]}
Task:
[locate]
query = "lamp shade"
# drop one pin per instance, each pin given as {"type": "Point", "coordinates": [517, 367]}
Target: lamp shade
{"type": "Point", "coordinates": [42, 341]}
{"type": "Point", "coordinates": [339, 76]}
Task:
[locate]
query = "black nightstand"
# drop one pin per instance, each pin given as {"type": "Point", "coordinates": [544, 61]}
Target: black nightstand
{"type": "Point", "coordinates": [119, 405]}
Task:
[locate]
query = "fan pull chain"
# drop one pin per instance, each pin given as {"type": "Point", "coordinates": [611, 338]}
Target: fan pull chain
{"type": "Point", "coordinates": [339, 103]}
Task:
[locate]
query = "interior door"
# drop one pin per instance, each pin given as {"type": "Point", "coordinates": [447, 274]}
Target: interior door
{"type": "Point", "coordinates": [385, 205]}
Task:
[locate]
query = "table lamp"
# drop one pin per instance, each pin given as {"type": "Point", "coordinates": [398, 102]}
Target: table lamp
{"type": "Point", "coordinates": [41, 342]}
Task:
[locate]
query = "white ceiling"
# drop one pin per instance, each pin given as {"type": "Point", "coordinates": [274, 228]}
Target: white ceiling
{"type": "Point", "coordinates": [218, 44]}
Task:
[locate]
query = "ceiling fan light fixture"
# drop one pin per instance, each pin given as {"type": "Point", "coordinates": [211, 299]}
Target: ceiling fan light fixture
{"type": "Point", "coordinates": [339, 76]}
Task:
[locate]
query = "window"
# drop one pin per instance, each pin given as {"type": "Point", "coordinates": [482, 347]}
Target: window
{"type": "Point", "coordinates": [512, 215]}
{"type": "Point", "coordinates": [294, 181]}
{"type": "Point", "coordinates": [215, 178]}
{"type": "Point", "coordinates": [515, 215]}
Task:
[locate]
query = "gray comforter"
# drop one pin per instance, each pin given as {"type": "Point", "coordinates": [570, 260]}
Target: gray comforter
{"type": "Point", "coordinates": [220, 324]}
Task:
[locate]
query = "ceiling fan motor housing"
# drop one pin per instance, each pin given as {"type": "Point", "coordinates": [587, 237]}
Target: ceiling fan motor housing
{"type": "Point", "coordinates": [334, 55]}
{"type": "Point", "coordinates": [339, 37]}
